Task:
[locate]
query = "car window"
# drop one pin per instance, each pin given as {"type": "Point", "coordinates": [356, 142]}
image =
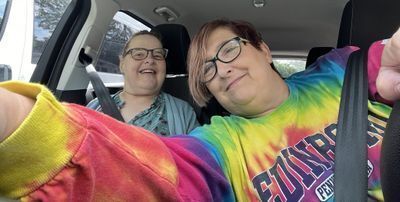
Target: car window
{"type": "Point", "coordinates": [47, 14]}
{"type": "Point", "coordinates": [4, 10]}
{"type": "Point", "coordinates": [3, 4]}
{"type": "Point", "coordinates": [5, 70]}
{"type": "Point", "coordinates": [289, 66]}
{"type": "Point", "coordinates": [120, 29]}
{"type": "Point", "coordinates": [25, 28]}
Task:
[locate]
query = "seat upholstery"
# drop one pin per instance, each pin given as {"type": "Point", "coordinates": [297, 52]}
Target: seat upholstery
{"type": "Point", "coordinates": [373, 20]}
{"type": "Point", "coordinates": [344, 36]}
{"type": "Point", "coordinates": [176, 39]}
{"type": "Point", "coordinates": [315, 53]}
{"type": "Point", "coordinates": [345, 26]}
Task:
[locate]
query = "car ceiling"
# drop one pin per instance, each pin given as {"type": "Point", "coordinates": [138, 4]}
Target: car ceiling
{"type": "Point", "coordinates": [290, 27]}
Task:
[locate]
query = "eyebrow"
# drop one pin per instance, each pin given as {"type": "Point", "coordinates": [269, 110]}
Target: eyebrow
{"type": "Point", "coordinates": [145, 48]}
{"type": "Point", "coordinates": [218, 48]}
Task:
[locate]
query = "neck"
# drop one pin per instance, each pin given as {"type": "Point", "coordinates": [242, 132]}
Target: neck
{"type": "Point", "coordinates": [281, 95]}
{"type": "Point", "coordinates": [281, 98]}
{"type": "Point", "coordinates": [138, 98]}
{"type": "Point", "coordinates": [134, 104]}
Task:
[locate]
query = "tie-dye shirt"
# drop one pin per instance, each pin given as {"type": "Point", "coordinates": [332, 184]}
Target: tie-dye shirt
{"type": "Point", "coordinates": [65, 152]}
{"type": "Point", "coordinates": [288, 155]}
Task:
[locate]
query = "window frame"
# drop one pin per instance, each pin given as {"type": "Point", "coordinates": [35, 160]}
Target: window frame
{"type": "Point", "coordinates": [6, 15]}
{"type": "Point", "coordinates": [51, 63]}
{"type": "Point", "coordinates": [104, 41]}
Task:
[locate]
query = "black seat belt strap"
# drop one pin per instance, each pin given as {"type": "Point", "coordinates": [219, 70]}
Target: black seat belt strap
{"type": "Point", "coordinates": [351, 179]}
{"type": "Point", "coordinates": [107, 104]}
{"type": "Point", "coordinates": [390, 156]}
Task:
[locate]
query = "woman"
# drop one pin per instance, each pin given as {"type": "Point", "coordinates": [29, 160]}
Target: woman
{"type": "Point", "coordinates": [141, 101]}
{"type": "Point", "coordinates": [279, 144]}
{"type": "Point", "coordinates": [284, 130]}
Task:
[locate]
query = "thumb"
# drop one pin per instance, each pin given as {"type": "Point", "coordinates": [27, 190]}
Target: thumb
{"type": "Point", "coordinates": [388, 83]}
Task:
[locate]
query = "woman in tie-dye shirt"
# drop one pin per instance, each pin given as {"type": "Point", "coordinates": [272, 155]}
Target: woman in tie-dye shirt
{"type": "Point", "coordinates": [277, 145]}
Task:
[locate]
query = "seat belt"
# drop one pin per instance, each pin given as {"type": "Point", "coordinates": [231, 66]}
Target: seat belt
{"type": "Point", "coordinates": [351, 179]}
{"type": "Point", "coordinates": [390, 156]}
{"type": "Point", "coordinates": [107, 104]}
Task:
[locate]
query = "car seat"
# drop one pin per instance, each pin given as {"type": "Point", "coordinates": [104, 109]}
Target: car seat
{"type": "Point", "coordinates": [363, 22]}
{"type": "Point", "coordinates": [343, 37]}
{"type": "Point", "coordinates": [315, 53]}
{"type": "Point", "coordinates": [345, 26]}
{"type": "Point", "coordinates": [176, 39]}
{"type": "Point", "coordinates": [374, 20]}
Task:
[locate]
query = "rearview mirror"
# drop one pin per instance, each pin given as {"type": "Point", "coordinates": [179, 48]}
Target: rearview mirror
{"type": "Point", "coordinates": [5, 72]}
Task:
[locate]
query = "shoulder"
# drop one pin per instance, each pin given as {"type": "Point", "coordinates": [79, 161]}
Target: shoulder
{"type": "Point", "coordinates": [93, 104]}
{"type": "Point", "coordinates": [340, 55]}
{"type": "Point", "coordinates": [329, 65]}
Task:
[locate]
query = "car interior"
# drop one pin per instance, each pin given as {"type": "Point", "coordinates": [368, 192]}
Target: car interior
{"type": "Point", "coordinates": [291, 29]}
{"type": "Point", "coordinates": [302, 29]}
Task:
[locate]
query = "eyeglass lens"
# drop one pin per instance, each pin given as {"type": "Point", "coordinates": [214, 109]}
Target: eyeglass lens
{"type": "Point", "coordinates": [141, 53]}
{"type": "Point", "coordinates": [227, 53]}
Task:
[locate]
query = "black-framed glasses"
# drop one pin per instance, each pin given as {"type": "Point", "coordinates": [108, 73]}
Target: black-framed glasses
{"type": "Point", "coordinates": [227, 53]}
{"type": "Point", "coordinates": [142, 53]}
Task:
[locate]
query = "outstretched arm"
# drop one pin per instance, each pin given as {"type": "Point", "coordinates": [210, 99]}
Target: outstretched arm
{"type": "Point", "coordinates": [13, 108]}
{"type": "Point", "coordinates": [388, 80]}
{"type": "Point", "coordinates": [65, 151]}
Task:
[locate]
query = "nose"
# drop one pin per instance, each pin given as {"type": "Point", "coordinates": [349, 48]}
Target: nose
{"type": "Point", "coordinates": [149, 58]}
{"type": "Point", "coordinates": [223, 69]}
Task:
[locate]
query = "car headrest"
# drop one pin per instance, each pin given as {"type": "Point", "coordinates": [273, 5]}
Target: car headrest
{"type": "Point", "coordinates": [175, 38]}
{"type": "Point", "coordinates": [366, 21]}
{"type": "Point", "coordinates": [314, 54]}
{"type": "Point", "coordinates": [345, 26]}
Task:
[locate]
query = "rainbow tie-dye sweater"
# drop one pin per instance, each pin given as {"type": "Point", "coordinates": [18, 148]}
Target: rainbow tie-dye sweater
{"type": "Point", "coordinates": [65, 152]}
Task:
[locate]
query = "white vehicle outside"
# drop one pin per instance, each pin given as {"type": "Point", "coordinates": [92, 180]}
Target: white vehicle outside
{"type": "Point", "coordinates": [20, 32]}
{"type": "Point", "coordinates": [25, 27]}
{"type": "Point", "coordinates": [16, 41]}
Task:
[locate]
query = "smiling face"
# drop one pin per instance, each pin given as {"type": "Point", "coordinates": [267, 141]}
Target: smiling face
{"type": "Point", "coordinates": [247, 86]}
{"type": "Point", "coordinates": [143, 77]}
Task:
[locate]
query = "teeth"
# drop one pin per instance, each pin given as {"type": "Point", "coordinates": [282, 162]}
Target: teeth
{"type": "Point", "coordinates": [147, 71]}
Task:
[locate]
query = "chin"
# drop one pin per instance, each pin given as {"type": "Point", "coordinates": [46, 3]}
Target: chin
{"type": "Point", "coordinates": [241, 99]}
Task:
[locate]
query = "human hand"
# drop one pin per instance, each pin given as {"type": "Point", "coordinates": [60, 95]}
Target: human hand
{"type": "Point", "coordinates": [13, 109]}
{"type": "Point", "coordinates": [388, 80]}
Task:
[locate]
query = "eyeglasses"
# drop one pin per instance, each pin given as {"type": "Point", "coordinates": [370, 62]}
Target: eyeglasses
{"type": "Point", "coordinates": [142, 53]}
{"type": "Point", "coordinates": [227, 53]}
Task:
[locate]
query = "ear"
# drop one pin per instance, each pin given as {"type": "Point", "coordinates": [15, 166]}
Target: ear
{"type": "Point", "coordinates": [267, 52]}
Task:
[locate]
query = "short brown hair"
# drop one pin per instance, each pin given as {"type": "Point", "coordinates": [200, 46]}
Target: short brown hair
{"type": "Point", "coordinates": [197, 53]}
{"type": "Point", "coordinates": [139, 33]}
